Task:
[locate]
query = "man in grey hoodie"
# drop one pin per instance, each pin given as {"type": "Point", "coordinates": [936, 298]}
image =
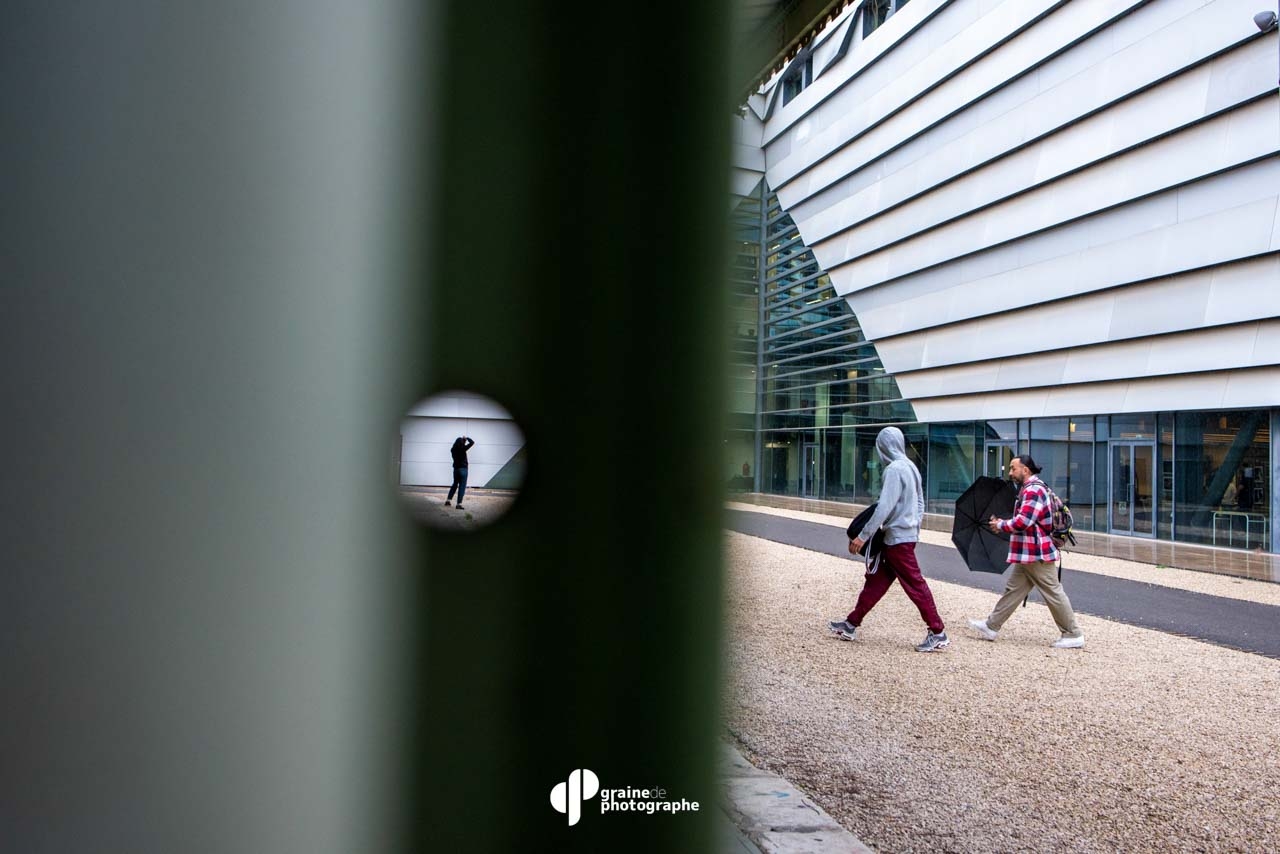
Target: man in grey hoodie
{"type": "Point", "coordinates": [900, 511]}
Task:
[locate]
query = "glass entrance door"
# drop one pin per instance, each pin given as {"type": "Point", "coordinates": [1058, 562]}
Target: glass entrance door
{"type": "Point", "coordinates": [809, 472]}
{"type": "Point", "coordinates": [998, 458]}
{"type": "Point", "coordinates": [1133, 489]}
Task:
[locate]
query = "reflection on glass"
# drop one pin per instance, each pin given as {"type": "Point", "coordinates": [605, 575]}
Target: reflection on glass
{"type": "Point", "coordinates": [998, 458]}
{"type": "Point", "coordinates": [1080, 490]}
{"type": "Point", "coordinates": [1132, 488]}
{"type": "Point", "coordinates": [1143, 491]}
{"type": "Point", "coordinates": [1121, 487]}
{"type": "Point", "coordinates": [811, 486]}
{"type": "Point", "coordinates": [951, 456]}
{"type": "Point", "coordinates": [818, 370]}
{"type": "Point", "coordinates": [1221, 467]}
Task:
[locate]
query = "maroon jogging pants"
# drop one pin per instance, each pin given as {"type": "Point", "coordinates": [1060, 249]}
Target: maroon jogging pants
{"type": "Point", "coordinates": [898, 562]}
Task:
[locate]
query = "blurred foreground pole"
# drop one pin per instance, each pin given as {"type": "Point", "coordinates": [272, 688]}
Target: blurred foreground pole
{"type": "Point", "coordinates": [204, 352]}
{"type": "Point", "coordinates": [239, 241]}
{"type": "Point", "coordinates": [578, 226]}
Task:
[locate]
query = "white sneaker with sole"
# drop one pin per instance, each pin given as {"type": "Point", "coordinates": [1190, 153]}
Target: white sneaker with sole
{"type": "Point", "coordinates": [1069, 643]}
{"type": "Point", "coordinates": [980, 626]}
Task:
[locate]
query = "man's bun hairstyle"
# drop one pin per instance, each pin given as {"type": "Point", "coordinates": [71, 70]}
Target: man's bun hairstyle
{"type": "Point", "coordinates": [1026, 460]}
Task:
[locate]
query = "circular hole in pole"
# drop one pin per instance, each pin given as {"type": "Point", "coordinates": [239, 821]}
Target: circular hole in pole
{"type": "Point", "coordinates": [459, 461]}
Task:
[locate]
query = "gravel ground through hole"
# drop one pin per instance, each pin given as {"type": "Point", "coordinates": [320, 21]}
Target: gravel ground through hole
{"type": "Point", "coordinates": [1142, 741]}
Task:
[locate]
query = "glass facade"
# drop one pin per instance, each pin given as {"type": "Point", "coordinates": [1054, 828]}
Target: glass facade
{"type": "Point", "coordinates": [821, 384]}
{"type": "Point", "coordinates": [743, 340]}
{"type": "Point", "coordinates": [1197, 477]}
{"type": "Point", "coordinates": [874, 13]}
{"type": "Point", "coordinates": [953, 451]}
{"type": "Point", "coordinates": [1221, 483]}
{"type": "Point", "coordinates": [1081, 492]}
{"type": "Point", "coordinates": [810, 396]}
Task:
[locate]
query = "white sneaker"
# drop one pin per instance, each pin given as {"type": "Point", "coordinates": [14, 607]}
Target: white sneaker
{"type": "Point", "coordinates": [980, 626]}
{"type": "Point", "coordinates": [1069, 643]}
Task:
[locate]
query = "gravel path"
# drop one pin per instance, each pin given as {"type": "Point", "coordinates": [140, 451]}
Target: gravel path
{"type": "Point", "coordinates": [1140, 742]}
{"type": "Point", "coordinates": [481, 508]}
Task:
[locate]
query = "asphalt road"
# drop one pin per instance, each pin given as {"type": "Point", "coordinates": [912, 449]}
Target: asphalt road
{"type": "Point", "coordinates": [1233, 623]}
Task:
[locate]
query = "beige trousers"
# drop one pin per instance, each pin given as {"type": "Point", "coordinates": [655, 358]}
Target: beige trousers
{"type": "Point", "coordinates": [1043, 576]}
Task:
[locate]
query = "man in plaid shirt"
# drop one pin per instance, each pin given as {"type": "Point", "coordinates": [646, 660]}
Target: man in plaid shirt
{"type": "Point", "coordinates": [1032, 556]}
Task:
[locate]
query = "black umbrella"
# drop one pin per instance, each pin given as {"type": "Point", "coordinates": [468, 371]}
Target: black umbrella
{"type": "Point", "coordinates": [874, 545]}
{"type": "Point", "coordinates": [982, 550]}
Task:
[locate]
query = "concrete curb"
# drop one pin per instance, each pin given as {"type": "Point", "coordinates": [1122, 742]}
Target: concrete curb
{"type": "Point", "coordinates": [776, 816]}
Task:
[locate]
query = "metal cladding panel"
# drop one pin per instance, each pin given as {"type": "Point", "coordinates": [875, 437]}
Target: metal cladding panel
{"type": "Point", "coordinates": [1217, 142]}
{"type": "Point", "coordinates": [1063, 126]}
{"type": "Point", "coordinates": [1229, 347]}
{"type": "Point", "coordinates": [892, 82]}
{"type": "Point", "coordinates": [1251, 389]}
{"type": "Point", "coordinates": [1193, 176]}
{"type": "Point", "coordinates": [454, 404]}
{"type": "Point", "coordinates": [829, 96]}
{"type": "Point", "coordinates": [441, 474]}
{"type": "Point", "coordinates": [1077, 201]}
{"type": "Point", "coordinates": [425, 458]}
{"type": "Point", "coordinates": [1013, 95]}
{"type": "Point", "coordinates": [952, 293]}
{"type": "Point", "coordinates": [1213, 390]}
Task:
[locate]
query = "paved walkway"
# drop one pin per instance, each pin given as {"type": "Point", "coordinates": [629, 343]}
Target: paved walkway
{"type": "Point", "coordinates": [1240, 563]}
{"type": "Point", "coordinates": [1242, 625]}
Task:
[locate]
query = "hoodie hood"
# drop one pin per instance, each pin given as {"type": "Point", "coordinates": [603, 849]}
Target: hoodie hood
{"type": "Point", "coordinates": [890, 445]}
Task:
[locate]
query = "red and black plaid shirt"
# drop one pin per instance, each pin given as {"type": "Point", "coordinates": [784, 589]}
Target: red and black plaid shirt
{"type": "Point", "coordinates": [1030, 525]}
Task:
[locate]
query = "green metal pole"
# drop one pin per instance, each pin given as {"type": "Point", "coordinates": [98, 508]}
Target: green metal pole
{"type": "Point", "coordinates": [578, 245]}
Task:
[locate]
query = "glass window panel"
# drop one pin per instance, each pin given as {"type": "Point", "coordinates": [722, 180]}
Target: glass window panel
{"type": "Point", "coordinates": [1080, 428]}
{"type": "Point", "coordinates": [1080, 474]}
{"type": "Point", "coordinates": [1002, 430]}
{"type": "Point", "coordinates": [1221, 463]}
{"type": "Point", "coordinates": [1101, 460]}
{"type": "Point", "coordinates": [1164, 480]}
{"type": "Point", "coordinates": [917, 438]}
{"type": "Point", "coordinates": [819, 371]}
{"type": "Point", "coordinates": [810, 466]}
{"type": "Point", "coordinates": [1049, 450]}
{"type": "Point", "coordinates": [1000, 445]}
{"type": "Point", "coordinates": [867, 486]}
{"type": "Point", "coordinates": [739, 451]}
{"type": "Point", "coordinates": [951, 456]}
{"type": "Point", "coordinates": [1121, 480]}
{"type": "Point", "coordinates": [1144, 461]}
{"type": "Point", "coordinates": [780, 463]}
{"type": "Point", "coordinates": [874, 13]}
{"type": "Point", "coordinates": [1133, 426]}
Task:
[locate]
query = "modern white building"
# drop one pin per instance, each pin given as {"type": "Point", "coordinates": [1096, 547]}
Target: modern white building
{"type": "Point", "coordinates": [428, 431]}
{"type": "Point", "coordinates": [1020, 226]}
